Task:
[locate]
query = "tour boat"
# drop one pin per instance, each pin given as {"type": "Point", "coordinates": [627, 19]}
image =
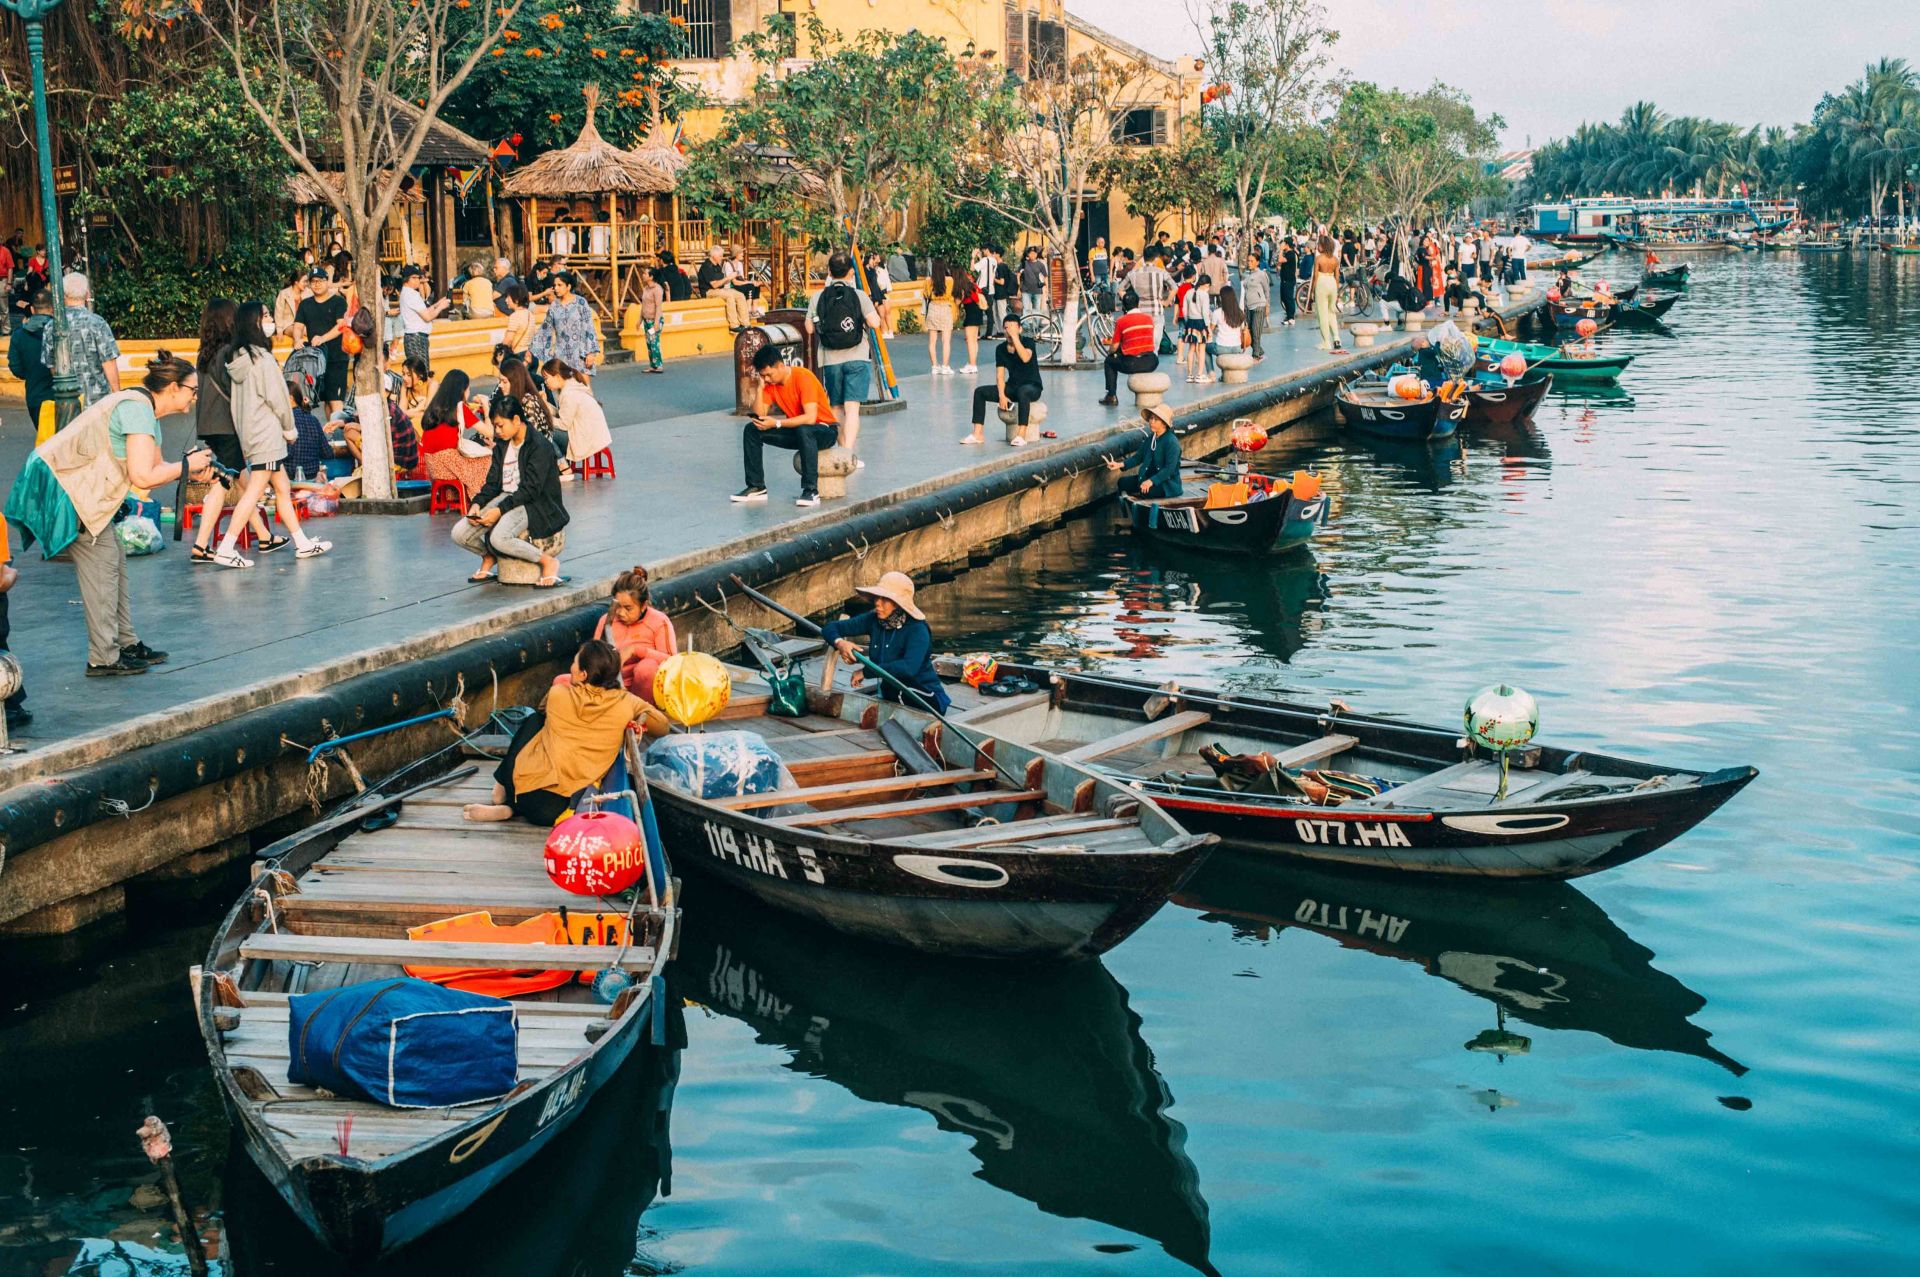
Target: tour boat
{"type": "Point", "coordinates": [1369, 406]}
{"type": "Point", "coordinates": [1323, 783]}
{"type": "Point", "coordinates": [1242, 513]}
{"type": "Point", "coordinates": [1667, 276]}
{"type": "Point", "coordinates": [331, 906]}
{"type": "Point", "coordinates": [1490, 401]}
{"type": "Point", "coordinates": [1565, 363]}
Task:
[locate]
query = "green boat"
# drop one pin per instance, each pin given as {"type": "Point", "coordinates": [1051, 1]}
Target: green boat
{"type": "Point", "coordinates": [1565, 363]}
{"type": "Point", "coordinates": [1905, 250]}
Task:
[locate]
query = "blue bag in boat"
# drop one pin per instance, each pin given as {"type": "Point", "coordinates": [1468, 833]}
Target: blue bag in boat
{"type": "Point", "coordinates": [717, 764]}
{"type": "Point", "coordinates": [404, 1043]}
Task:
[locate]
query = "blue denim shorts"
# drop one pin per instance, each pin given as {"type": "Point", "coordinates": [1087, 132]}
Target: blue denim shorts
{"type": "Point", "coordinates": [848, 382]}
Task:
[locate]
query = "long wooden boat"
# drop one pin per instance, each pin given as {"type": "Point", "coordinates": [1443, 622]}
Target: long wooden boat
{"type": "Point", "coordinates": [1566, 812]}
{"type": "Point", "coordinates": [331, 906]}
{"type": "Point", "coordinates": [1904, 250]}
{"type": "Point", "coordinates": [977, 1050]}
{"type": "Point", "coordinates": [896, 829]}
{"type": "Point", "coordinates": [1568, 313]}
{"type": "Point", "coordinates": [1243, 513]}
{"type": "Point", "coordinates": [1823, 246]}
{"type": "Point", "coordinates": [1493, 402]}
{"type": "Point", "coordinates": [1647, 307]}
{"type": "Point", "coordinates": [1566, 364]}
{"type": "Point", "coordinates": [1541, 952]}
{"type": "Point", "coordinates": [1667, 276]}
{"type": "Point", "coordinates": [1368, 406]}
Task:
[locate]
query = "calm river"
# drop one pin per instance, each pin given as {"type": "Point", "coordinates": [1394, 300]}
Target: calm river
{"type": "Point", "coordinates": [1707, 1061]}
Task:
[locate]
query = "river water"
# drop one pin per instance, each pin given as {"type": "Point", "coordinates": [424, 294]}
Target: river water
{"type": "Point", "coordinates": [1702, 1062]}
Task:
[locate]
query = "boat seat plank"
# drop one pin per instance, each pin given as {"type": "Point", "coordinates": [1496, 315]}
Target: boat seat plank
{"type": "Point", "coordinates": [1159, 729]}
{"type": "Point", "coordinates": [911, 807]}
{"type": "Point", "coordinates": [271, 947]}
{"type": "Point", "coordinates": [1315, 751]}
{"type": "Point", "coordinates": [853, 789]}
{"type": "Point", "coordinates": [1018, 831]}
{"type": "Point", "coordinates": [261, 999]}
{"type": "Point", "coordinates": [1005, 707]}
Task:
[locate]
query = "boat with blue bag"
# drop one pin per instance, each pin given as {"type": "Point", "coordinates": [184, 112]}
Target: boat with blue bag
{"type": "Point", "coordinates": [404, 1007]}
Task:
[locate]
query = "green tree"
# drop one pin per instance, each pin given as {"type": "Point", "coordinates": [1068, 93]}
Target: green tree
{"type": "Point", "coordinates": [1159, 181]}
{"type": "Point", "coordinates": [848, 140]}
{"type": "Point", "coordinates": [1431, 152]}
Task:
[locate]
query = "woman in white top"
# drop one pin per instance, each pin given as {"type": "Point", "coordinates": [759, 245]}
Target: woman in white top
{"type": "Point", "coordinates": [1196, 331]}
{"type": "Point", "coordinates": [577, 414]}
{"type": "Point", "coordinates": [263, 421]}
{"type": "Point", "coordinates": [1230, 328]}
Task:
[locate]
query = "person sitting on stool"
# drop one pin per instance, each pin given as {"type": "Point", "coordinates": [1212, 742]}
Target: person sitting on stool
{"type": "Point", "coordinates": [1156, 458]}
{"type": "Point", "coordinates": [1016, 376]}
{"type": "Point", "coordinates": [518, 512]}
{"type": "Point", "coordinates": [1131, 351]}
{"type": "Point", "coordinates": [790, 410]}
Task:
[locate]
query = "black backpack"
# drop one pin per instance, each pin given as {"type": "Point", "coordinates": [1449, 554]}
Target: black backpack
{"type": "Point", "coordinates": [841, 322]}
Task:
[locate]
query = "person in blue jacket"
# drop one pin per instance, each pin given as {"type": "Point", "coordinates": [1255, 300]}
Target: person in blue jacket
{"type": "Point", "coordinates": [1156, 458]}
{"type": "Point", "coordinates": [899, 641]}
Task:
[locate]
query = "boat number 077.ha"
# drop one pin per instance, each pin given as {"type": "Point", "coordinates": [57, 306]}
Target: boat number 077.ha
{"type": "Point", "coordinates": [1351, 833]}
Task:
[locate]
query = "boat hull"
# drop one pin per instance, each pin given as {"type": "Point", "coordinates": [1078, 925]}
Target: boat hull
{"type": "Point", "coordinates": [1564, 367]}
{"type": "Point", "coordinates": [1433, 419]}
{"type": "Point", "coordinates": [977, 903]}
{"type": "Point", "coordinates": [1504, 405]}
{"type": "Point", "coordinates": [361, 1209]}
{"type": "Point", "coordinates": [1673, 277]}
{"type": "Point", "coordinates": [1273, 526]}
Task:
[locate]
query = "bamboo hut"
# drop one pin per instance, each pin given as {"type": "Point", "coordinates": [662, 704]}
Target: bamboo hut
{"type": "Point", "coordinates": [607, 212]}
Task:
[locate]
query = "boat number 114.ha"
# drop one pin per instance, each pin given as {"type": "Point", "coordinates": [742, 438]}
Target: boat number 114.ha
{"type": "Point", "coordinates": [750, 851]}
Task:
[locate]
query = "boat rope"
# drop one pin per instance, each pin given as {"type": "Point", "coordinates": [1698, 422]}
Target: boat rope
{"type": "Point", "coordinates": [265, 897]}
{"type": "Point", "coordinates": [120, 807]}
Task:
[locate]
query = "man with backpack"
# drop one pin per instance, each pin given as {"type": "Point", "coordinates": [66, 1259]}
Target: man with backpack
{"type": "Point", "coordinates": [842, 317]}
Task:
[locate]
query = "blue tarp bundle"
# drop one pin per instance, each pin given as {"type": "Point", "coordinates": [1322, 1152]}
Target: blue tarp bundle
{"type": "Point", "coordinates": [404, 1043]}
{"type": "Point", "coordinates": [717, 764]}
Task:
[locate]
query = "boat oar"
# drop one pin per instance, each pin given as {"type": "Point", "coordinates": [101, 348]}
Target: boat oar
{"type": "Point", "coordinates": [920, 698]}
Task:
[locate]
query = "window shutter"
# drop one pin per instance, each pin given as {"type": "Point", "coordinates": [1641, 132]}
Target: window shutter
{"type": "Point", "coordinates": [1159, 128]}
{"type": "Point", "coordinates": [1050, 50]}
{"type": "Point", "coordinates": [1016, 41]}
{"type": "Point", "coordinates": [722, 28]}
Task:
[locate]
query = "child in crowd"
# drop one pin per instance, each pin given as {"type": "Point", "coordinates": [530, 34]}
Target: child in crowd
{"type": "Point", "coordinates": [641, 632]}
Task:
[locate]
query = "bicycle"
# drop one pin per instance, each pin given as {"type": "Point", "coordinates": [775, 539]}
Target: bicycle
{"type": "Point", "coordinates": [1357, 296]}
{"type": "Point", "coordinates": [1044, 333]}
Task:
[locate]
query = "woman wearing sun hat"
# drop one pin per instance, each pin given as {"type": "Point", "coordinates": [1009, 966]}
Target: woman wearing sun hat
{"type": "Point", "coordinates": [899, 640]}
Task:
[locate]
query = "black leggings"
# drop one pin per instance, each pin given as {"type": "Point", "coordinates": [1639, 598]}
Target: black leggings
{"type": "Point", "coordinates": [1289, 285]}
{"type": "Point", "coordinates": [1023, 398]}
{"type": "Point", "coordinates": [539, 806]}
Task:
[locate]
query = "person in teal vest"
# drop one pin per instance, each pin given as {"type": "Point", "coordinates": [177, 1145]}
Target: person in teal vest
{"type": "Point", "coordinates": [1156, 458]}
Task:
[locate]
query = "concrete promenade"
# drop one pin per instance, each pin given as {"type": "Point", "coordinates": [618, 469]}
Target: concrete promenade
{"type": "Point", "coordinates": [393, 594]}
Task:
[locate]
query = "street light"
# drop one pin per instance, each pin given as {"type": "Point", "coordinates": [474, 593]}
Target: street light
{"type": "Point", "coordinates": [66, 386]}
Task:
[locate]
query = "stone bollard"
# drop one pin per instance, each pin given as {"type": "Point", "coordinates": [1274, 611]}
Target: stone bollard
{"type": "Point", "coordinates": [835, 464]}
{"type": "Point", "coordinates": [1413, 321]}
{"type": "Point", "coordinates": [1233, 367]}
{"type": "Point", "coordinates": [1363, 334]}
{"type": "Point", "coordinates": [526, 572]}
{"type": "Point", "coordinates": [1149, 388]}
{"type": "Point", "coordinates": [1036, 417]}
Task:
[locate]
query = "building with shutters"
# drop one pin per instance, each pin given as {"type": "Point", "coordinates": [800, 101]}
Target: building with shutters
{"type": "Point", "coordinates": [1026, 35]}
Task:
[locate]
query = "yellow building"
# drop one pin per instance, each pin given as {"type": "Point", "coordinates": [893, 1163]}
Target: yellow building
{"type": "Point", "coordinates": [1020, 34]}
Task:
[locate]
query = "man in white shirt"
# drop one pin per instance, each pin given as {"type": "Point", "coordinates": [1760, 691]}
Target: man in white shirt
{"type": "Point", "coordinates": [416, 317]}
{"type": "Point", "coordinates": [1517, 249]}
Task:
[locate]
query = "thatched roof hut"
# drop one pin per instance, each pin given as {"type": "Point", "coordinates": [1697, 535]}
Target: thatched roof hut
{"type": "Point", "coordinates": [591, 166]}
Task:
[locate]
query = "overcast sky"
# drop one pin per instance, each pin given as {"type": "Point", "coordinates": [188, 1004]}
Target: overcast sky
{"type": "Point", "coordinates": [1747, 61]}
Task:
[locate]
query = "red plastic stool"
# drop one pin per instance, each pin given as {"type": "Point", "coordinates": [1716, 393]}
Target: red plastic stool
{"type": "Point", "coordinates": [193, 513]}
{"type": "Point", "coordinates": [600, 464]}
{"type": "Point", "coordinates": [448, 494]}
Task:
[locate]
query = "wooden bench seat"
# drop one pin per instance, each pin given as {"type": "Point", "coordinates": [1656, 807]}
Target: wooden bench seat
{"type": "Point", "coordinates": [1315, 751]}
{"type": "Point", "coordinates": [270, 947]}
{"type": "Point", "coordinates": [1145, 733]}
{"type": "Point", "coordinates": [912, 807]}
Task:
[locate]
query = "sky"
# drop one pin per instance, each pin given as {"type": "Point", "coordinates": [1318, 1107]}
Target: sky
{"type": "Point", "coordinates": [1744, 61]}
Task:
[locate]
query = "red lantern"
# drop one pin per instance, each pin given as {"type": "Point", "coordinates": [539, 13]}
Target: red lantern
{"type": "Point", "coordinates": [1513, 365]}
{"type": "Point", "coordinates": [1586, 328]}
{"type": "Point", "coordinates": [1553, 294]}
{"type": "Point", "coordinates": [596, 853]}
{"type": "Point", "coordinates": [1249, 437]}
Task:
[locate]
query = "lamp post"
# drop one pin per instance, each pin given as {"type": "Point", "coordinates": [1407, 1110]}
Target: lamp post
{"type": "Point", "coordinates": [66, 386]}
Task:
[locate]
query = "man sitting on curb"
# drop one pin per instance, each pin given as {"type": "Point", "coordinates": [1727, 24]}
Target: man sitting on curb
{"type": "Point", "coordinates": [1131, 351]}
{"type": "Point", "coordinates": [790, 411]}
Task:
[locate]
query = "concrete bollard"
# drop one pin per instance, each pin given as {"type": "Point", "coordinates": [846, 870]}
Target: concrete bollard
{"type": "Point", "coordinates": [1363, 334]}
{"type": "Point", "coordinates": [1149, 388]}
{"type": "Point", "coordinates": [1233, 367]}
{"type": "Point", "coordinates": [1036, 417]}
{"type": "Point", "coordinates": [835, 464]}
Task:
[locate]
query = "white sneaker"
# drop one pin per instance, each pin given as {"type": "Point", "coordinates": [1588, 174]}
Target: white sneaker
{"type": "Point", "coordinates": [859, 464]}
{"type": "Point", "coordinates": [313, 549]}
{"type": "Point", "coordinates": [970, 368]}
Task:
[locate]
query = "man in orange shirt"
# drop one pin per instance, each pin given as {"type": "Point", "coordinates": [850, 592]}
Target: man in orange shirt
{"type": "Point", "coordinates": [790, 411]}
{"type": "Point", "coordinates": [1131, 350]}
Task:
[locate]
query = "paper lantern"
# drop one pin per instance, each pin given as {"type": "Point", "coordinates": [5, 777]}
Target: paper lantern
{"type": "Point", "coordinates": [1586, 328]}
{"type": "Point", "coordinates": [1249, 437]}
{"type": "Point", "coordinates": [691, 687]}
{"type": "Point", "coordinates": [596, 853]}
{"type": "Point", "coordinates": [1514, 365]}
{"type": "Point", "coordinates": [1553, 294]}
{"type": "Point", "coordinates": [350, 343]}
{"type": "Point", "coordinates": [1407, 386]}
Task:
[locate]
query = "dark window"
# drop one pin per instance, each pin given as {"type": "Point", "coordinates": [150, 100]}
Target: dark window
{"type": "Point", "coordinates": [709, 24]}
{"type": "Point", "coordinates": [1016, 42]}
{"type": "Point", "coordinates": [1049, 46]}
{"type": "Point", "coordinates": [1143, 126]}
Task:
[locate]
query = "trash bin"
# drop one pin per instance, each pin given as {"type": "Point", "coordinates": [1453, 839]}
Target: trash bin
{"type": "Point", "coordinates": [783, 328]}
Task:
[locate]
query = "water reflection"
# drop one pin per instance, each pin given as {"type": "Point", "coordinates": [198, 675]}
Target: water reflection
{"type": "Point", "coordinates": [1044, 1069]}
{"type": "Point", "coordinates": [1541, 952]}
{"type": "Point", "coordinates": [572, 1211]}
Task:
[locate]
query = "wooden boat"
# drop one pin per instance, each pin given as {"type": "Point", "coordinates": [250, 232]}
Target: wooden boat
{"type": "Point", "coordinates": [977, 1050]}
{"type": "Point", "coordinates": [331, 906]}
{"type": "Point", "coordinates": [1568, 313]}
{"type": "Point", "coordinates": [1667, 276]}
{"type": "Point", "coordinates": [1540, 952]}
{"type": "Point", "coordinates": [1367, 405]}
{"type": "Point", "coordinates": [1493, 402]}
{"type": "Point", "coordinates": [897, 829]}
{"type": "Point", "coordinates": [1823, 246]}
{"type": "Point", "coordinates": [1243, 512]}
{"type": "Point", "coordinates": [1647, 307]}
{"type": "Point", "coordinates": [1566, 812]}
{"type": "Point", "coordinates": [1904, 250]}
{"type": "Point", "coordinates": [1566, 364]}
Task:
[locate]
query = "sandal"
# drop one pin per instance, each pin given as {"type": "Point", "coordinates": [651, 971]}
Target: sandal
{"type": "Point", "coordinates": [479, 577]}
{"type": "Point", "coordinates": [200, 554]}
{"type": "Point", "coordinates": [971, 442]}
{"type": "Point", "coordinates": [548, 583]}
{"type": "Point", "coordinates": [271, 544]}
